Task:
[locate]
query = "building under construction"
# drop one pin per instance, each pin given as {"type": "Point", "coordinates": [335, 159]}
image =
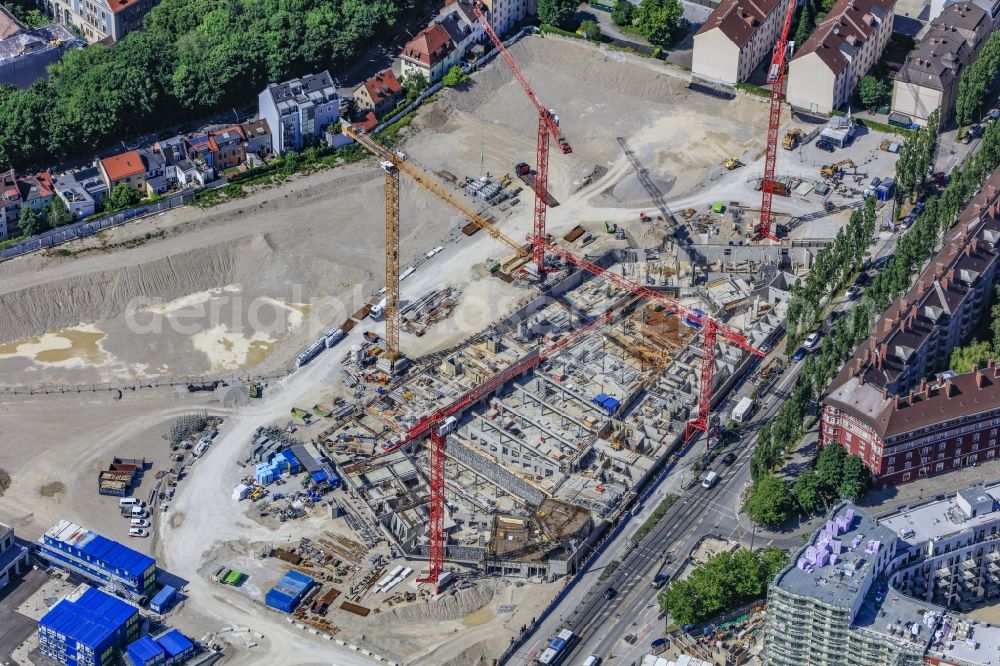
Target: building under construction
{"type": "Point", "coordinates": [539, 467]}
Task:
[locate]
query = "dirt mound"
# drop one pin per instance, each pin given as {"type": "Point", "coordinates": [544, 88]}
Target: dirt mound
{"type": "Point", "coordinates": [52, 489]}
{"type": "Point", "coordinates": [483, 653]}
{"type": "Point", "coordinates": [104, 294]}
{"type": "Point", "coordinates": [449, 607]}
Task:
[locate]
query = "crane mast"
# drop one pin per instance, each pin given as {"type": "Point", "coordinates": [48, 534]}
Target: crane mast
{"type": "Point", "coordinates": [776, 77]}
{"type": "Point", "coordinates": [548, 128]}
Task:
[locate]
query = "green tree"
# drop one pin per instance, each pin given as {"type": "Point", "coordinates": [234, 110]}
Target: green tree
{"type": "Point", "coordinates": [975, 354]}
{"type": "Point", "coordinates": [559, 13]}
{"type": "Point", "coordinates": [30, 222]}
{"type": "Point", "coordinates": [807, 18]}
{"type": "Point", "coordinates": [122, 196]}
{"type": "Point", "coordinates": [976, 80]}
{"type": "Point", "coordinates": [769, 501]}
{"type": "Point", "coordinates": [853, 479]}
{"type": "Point", "coordinates": [829, 466]}
{"type": "Point", "coordinates": [872, 92]}
{"type": "Point", "coordinates": [995, 314]}
{"type": "Point", "coordinates": [657, 20]}
{"type": "Point", "coordinates": [682, 601]}
{"type": "Point", "coordinates": [623, 13]}
{"type": "Point", "coordinates": [414, 84]}
{"type": "Point", "coordinates": [808, 491]}
{"type": "Point", "coordinates": [591, 30]}
{"type": "Point", "coordinates": [57, 214]}
{"type": "Point", "coordinates": [455, 76]}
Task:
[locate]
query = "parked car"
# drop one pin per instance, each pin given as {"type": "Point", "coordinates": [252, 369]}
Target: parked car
{"type": "Point", "coordinates": [876, 181]}
{"type": "Point", "coordinates": [138, 532]}
{"type": "Point", "coordinates": [729, 458]}
{"type": "Point", "coordinates": [853, 292]}
{"type": "Point", "coordinates": [823, 144]}
{"type": "Point", "coordinates": [812, 341]}
{"type": "Point", "coordinates": [994, 115]}
{"type": "Point", "coordinates": [799, 354]}
{"type": "Point", "coordinates": [138, 522]}
{"type": "Point", "coordinates": [659, 581]}
{"type": "Point", "coordinates": [610, 593]}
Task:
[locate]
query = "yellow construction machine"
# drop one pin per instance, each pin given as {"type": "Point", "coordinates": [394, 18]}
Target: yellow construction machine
{"type": "Point", "coordinates": [793, 138]}
{"type": "Point", "coordinates": [831, 170]}
{"type": "Point", "coordinates": [732, 163]}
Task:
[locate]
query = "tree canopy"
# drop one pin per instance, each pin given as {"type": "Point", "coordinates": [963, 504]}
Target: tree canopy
{"type": "Point", "coordinates": [559, 13]}
{"type": "Point", "coordinates": [722, 582]}
{"type": "Point", "coordinates": [623, 12]}
{"type": "Point", "coordinates": [872, 92]}
{"type": "Point", "coordinates": [769, 501]}
{"type": "Point", "coordinates": [657, 20]}
{"type": "Point", "coordinates": [195, 56]}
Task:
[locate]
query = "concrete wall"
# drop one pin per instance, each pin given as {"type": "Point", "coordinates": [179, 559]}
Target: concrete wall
{"type": "Point", "coordinates": [919, 102]}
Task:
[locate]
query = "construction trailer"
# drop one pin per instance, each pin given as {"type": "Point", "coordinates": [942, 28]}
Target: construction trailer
{"type": "Point", "coordinates": [166, 649]}
{"type": "Point", "coordinates": [87, 627]}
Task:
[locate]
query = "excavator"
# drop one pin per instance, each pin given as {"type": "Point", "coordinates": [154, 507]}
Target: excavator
{"type": "Point", "coordinates": [732, 163]}
{"type": "Point", "coordinates": [793, 138]}
{"type": "Point", "coordinates": [831, 170]}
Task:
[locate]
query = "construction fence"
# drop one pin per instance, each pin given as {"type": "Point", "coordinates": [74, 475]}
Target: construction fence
{"type": "Point", "coordinates": [194, 384]}
{"type": "Point", "coordinates": [78, 230]}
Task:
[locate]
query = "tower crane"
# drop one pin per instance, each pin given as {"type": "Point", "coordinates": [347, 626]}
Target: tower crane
{"type": "Point", "coordinates": [548, 127]}
{"type": "Point", "coordinates": [776, 77]}
{"type": "Point", "coordinates": [430, 424]}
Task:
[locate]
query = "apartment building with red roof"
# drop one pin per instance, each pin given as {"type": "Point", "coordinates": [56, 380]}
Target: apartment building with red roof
{"type": "Point", "coordinates": [889, 404]}
{"type": "Point", "coordinates": [735, 39]}
{"type": "Point", "coordinates": [125, 168]}
{"type": "Point", "coordinates": [379, 94]}
{"type": "Point", "coordinates": [100, 20]}
{"type": "Point", "coordinates": [430, 53]}
{"type": "Point", "coordinates": [823, 73]}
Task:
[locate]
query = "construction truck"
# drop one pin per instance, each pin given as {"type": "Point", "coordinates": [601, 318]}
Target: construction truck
{"type": "Point", "coordinates": [831, 170]}
{"type": "Point", "coordinates": [793, 138]}
{"type": "Point", "coordinates": [732, 163]}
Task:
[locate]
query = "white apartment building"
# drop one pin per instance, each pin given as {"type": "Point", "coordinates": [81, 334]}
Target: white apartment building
{"type": "Point", "coordinates": [891, 591]}
{"type": "Point", "coordinates": [735, 39]}
{"type": "Point", "coordinates": [298, 111]}
{"type": "Point", "coordinates": [823, 73]}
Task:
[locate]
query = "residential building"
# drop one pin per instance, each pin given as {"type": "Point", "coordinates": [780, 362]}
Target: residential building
{"type": "Point", "coordinates": [230, 150]}
{"type": "Point", "coordinates": [88, 628]}
{"type": "Point", "coordinates": [10, 205]}
{"type": "Point", "coordinates": [25, 54]}
{"type": "Point", "coordinates": [76, 197]}
{"type": "Point", "coordinates": [379, 94]}
{"type": "Point", "coordinates": [929, 79]}
{"type": "Point", "coordinates": [881, 405]}
{"type": "Point", "coordinates": [174, 149]}
{"type": "Point", "coordinates": [154, 178]}
{"type": "Point", "coordinates": [823, 73]}
{"type": "Point", "coordinates": [735, 39]}
{"type": "Point", "coordinates": [888, 591]}
{"type": "Point", "coordinates": [991, 7]}
{"type": "Point", "coordinates": [127, 168]}
{"type": "Point", "coordinates": [37, 190]}
{"type": "Point", "coordinates": [257, 135]}
{"type": "Point", "coordinates": [13, 556]}
{"type": "Point", "coordinates": [299, 110]}
{"type": "Point", "coordinates": [431, 53]}
{"type": "Point", "coordinates": [99, 560]}
{"type": "Point", "coordinates": [99, 20]}
{"type": "Point", "coordinates": [504, 15]}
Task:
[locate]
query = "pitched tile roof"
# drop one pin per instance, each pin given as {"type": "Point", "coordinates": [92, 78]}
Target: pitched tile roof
{"type": "Point", "coordinates": [936, 61]}
{"type": "Point", "coordinates": [124, 165]}
{"type": "Point", "coordinates": [382, 86]}
{"type": "Point", "coordinates": [429, 47]}
{"type": "Point", "coordinates": [844, 31]}
{"type": "Point", "coordinates": [739, 20]}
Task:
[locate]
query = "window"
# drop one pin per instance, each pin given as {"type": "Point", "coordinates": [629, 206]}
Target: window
{"type": "Point", "coordinates": [939, 467]}
{"type": "Point", "coordinates": [906, 477]}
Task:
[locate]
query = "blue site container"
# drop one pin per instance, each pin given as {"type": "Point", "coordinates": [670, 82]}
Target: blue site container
{"type": "Point", "coordinates": [288, 592]}
{"type": "Point", "coordinates": [163, 599]}
{"type": "Point", "coordinates": [93, 625]}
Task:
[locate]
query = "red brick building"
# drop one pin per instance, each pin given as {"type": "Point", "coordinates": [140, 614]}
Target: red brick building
{"type": "Point", "coordinates": [885, 404]}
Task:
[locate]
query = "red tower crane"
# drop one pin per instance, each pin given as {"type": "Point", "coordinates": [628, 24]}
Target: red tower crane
{"type": "Point", "coordinates": [776, 77]}
{"type": "Point", "coordinates": [548, 127]}
{"type": "Point", "coordinates": [431, 423]}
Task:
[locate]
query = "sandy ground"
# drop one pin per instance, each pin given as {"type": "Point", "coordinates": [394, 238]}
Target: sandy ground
{"type": "Point", "coordinates": [249, 283]}
{"type": "Point", "coordinates": [300, 257]}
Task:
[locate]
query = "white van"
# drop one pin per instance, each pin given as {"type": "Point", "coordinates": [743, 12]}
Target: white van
{"type": "Point", "coordinates": [709, 479]}
{"type": "Point", "coordinates": [592, 660]}
{"type": "Point", "coordinates": [139, 512]}
{"type": "Point", "coordinates": [129, 501]}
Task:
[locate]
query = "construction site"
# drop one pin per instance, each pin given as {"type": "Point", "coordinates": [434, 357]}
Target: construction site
{"type": "Point", "coordinates": [471, 378]}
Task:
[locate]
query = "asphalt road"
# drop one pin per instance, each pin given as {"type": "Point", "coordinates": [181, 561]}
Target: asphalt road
{"type": "Point", "coordinates": [14, 627]}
